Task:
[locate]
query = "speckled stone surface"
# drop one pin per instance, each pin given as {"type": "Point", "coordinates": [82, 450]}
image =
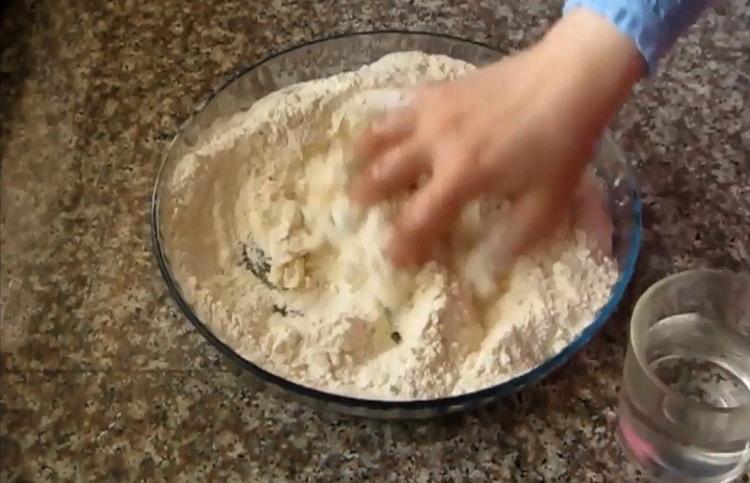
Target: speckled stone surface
{"type": "Point", "coordinates": [101, 377]}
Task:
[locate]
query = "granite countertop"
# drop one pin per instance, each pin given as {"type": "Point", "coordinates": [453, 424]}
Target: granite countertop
{"type": "Point", "coordinates": [101, 376]}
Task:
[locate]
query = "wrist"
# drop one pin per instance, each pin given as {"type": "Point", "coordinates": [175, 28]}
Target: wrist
{"type": "Point", "coordinates": [594, 38]}
{"type": "Point", "coordinates": [652, 26]}
{"type": "Point", "coordinates": [594, 64]}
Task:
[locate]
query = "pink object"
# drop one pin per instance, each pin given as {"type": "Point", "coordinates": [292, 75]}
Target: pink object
{"type": "Point", "coordinates": [642, 450]}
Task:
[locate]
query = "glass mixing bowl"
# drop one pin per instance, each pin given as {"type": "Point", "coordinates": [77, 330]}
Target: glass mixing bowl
{"type": "Point", "coordinates": [333, 55]}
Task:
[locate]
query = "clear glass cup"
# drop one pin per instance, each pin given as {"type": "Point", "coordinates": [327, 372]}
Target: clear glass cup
{"type": "Point", "coordinates": [684, 412]}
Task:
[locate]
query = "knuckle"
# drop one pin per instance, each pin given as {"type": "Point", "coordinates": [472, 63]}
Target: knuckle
{"type": "Point", "coordinates": [433, 94]}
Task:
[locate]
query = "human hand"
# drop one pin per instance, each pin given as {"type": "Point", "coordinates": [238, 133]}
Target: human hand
{"type": "Point", "coordinates": [520, 129]}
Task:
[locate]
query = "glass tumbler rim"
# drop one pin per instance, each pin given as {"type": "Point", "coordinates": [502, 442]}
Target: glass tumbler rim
{"type": "Point", "coordinates": [638, 347]}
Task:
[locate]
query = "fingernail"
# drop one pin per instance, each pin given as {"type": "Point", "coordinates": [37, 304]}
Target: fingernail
{"type": "Point", "coordinates": [376, 171]}
{"type": "Point", "coordinates": [379, 125]}
{"type": "Point", "coordinates": [357, 193]}
{"type": "Point", "coordinates": [502, 262]}
{"type": "Point", "coordinates": [498, 251]}
{"type": "Point", "coordinates": [400, 253]}
{"type": "Point", "coordinates": [397, 255]}
{"type": "Point", "coordinates": [480, 276]}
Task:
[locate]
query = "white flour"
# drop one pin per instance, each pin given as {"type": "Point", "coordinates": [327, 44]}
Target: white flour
{"type": "Point", "coordinates": [283, 269]}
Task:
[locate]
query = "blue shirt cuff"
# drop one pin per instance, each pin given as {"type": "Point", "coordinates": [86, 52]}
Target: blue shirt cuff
{"type": "Point", "coordinates": [653, 25]}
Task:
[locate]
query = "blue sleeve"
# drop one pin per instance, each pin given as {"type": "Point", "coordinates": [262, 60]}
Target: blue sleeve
{"type": "Point", "coordinates": [654, 25]}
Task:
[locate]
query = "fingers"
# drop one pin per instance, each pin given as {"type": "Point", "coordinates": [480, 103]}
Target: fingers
{"type": "Point", "coordinates": [424, 219]}
{"type": "Point", "coordinates": [385, 132]}
{"type": "Point", "coordinates": [534, 216]}
{"type": "Point", "coordinates": [394, 171]}
{"type": "Point", "coordinates": [494, 256]}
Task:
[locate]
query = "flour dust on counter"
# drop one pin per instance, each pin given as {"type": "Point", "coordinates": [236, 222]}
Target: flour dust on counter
{"type": "Point", "coordinates": [279, 264]}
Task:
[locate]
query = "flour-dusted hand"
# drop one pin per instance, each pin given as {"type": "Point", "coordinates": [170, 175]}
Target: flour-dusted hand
{"type": "Point", "coordinates": [521, 129]}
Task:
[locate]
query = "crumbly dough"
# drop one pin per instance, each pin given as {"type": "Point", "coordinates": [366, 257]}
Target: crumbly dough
{"type": "Point", "coordinates": [276, 261]}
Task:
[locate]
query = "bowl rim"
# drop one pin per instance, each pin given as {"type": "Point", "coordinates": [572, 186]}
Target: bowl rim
{"type": "Point", "coordinates": [468, 399]}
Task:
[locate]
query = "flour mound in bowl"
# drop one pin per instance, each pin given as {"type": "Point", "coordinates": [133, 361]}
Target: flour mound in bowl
{"type": "Point", "coordinates": [274, 259]}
